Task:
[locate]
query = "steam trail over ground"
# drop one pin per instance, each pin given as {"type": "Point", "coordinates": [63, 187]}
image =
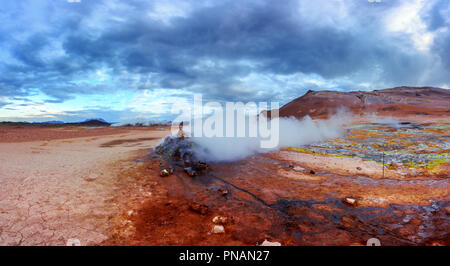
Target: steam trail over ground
{"type": "Point", "coordinates": [388, 120]}
{"type": "Point", "coordinates": [292, 132]}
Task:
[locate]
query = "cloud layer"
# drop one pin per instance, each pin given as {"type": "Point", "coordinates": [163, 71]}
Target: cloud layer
{"type": "Point", "coordinates": [61, 55]}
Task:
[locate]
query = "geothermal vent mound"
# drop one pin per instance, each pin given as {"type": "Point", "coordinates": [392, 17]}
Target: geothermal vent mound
{"type": "Point", "coordinates": [176, 152]}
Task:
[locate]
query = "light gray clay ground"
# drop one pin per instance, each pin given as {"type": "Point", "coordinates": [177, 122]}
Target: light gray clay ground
{"type": "Point", "coordinates": [53, 191]}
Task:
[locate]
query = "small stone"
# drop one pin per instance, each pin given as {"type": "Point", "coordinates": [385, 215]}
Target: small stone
{"type": "Point", "coordinates": [267, 243]}
{"type": "Point", "coordinates": [199, 208]}
{"type": "Point", "coordinates": [312, 172]}
{"type": "Point", "coordinates": [347, 222]}
{"type": "Point", "coordinates": [220, 220]}
{"type": "Point", "coordinates": [91, 177]}
{"type": "Point", "coordinates": [165, 172]}
{"type": "Point", "coordinates": [73, 242]}
{"type": "Point", "coordinates": [222, 191]}
{"type": "Point", "coordinates": [407, 219]}
{"type": "Point", "coordinates": [202, 166]}
{"type": "Point", "coordinates": [350, 201]}
{"type": "Point", "coordinates": [130, 212]}
{"type": "Point", "coordinates": [358, 168]}
{"type": "Point", "coordinates": [218, 229]}
{"type": "Point", "coordinates": [298, 169]}
{"type": "Point", "coordinates": [190, 171]}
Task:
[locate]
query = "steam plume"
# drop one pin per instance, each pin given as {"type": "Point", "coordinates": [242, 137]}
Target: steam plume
{"type": "Point", "coordinates": [292, 132]}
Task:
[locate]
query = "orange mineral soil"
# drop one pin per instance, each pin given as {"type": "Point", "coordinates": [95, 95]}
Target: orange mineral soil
{"type": "Point", "coordinates": [263, 197]}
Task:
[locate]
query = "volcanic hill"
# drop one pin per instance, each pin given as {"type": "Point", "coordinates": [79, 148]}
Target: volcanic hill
{"type": "Point", "coordinates": [399, 101]}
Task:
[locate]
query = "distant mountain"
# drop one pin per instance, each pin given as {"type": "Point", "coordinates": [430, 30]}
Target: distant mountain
{"type": "Point", "coordinates": [399, 101]}
{"type": "Point", "coordinates": [95, 119]}
{"type": "Point", "coordinates": [87, 123]}
{"type": "Point", "coordinates": [92, 123]}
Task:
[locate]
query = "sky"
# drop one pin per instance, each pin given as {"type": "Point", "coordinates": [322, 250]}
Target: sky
{"type": "Point", "coordinates": [130, 60]}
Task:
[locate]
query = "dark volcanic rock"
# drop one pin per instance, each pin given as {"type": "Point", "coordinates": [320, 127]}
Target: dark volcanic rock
{"type": "Point", "coordinates": [199, 208]}
{"type": "Point", "coordinates": [179, 152]}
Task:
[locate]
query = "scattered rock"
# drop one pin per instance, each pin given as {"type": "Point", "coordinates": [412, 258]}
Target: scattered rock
{"type": "Point", "coordinates": [190, 171]}
{"type": "Point", "coordinates": [220, 220]}
{"type": "Point", "coordinates": [202, 166]}
{"type": "Point", "coordinates": [298, 169]}
{"type": "Point", "coordinates": [407, 219]}
{"type": "Point", "coordinates": [223, 191]}
{"type": "Point", "coordinates": [358, 168]}
{"type": "Point", "coordinates": [348, 222]}
{"type": "Point", "coordinates": [267, 243]}
{"type": "Point", "coordinates": [130, 212]}
{"type": "Point", "coordinates": [218, 229]}
{"type": "Point", "coordinates": [166, 172]}
{"type": "Point", "coordinates": [312, 172]}
{"type": "Point", "coordinates": [179, 150]}
{"type": "Point", "coordinates": [199, 208]}
{"type": "Point", "coordinates": [73, 242]}
{"type": "Point", "coordinates": [350, 201]}
{"type": "Point", "coordinates": [91, 177]}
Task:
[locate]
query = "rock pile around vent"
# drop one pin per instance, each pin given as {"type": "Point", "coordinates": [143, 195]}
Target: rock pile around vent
{"type": "Point", "coordinates": [179, 151]}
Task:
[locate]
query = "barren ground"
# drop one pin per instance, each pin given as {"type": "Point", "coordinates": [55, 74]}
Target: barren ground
{"type": "Point", "coordinates": [62, 183]}
{"type": "Point", "coordinates": [102, 186]}
{"type": "Point", "coordinates": [277, 197]}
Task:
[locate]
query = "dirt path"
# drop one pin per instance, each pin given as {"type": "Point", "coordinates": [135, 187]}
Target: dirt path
{"type": "Point", "coordinates": [53, 191]}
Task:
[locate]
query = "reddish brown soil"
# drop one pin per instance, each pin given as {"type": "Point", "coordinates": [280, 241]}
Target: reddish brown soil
{"type": "Point", "coordinates": [398, 102]}
{"type": "Point", "coordinates": [261, 204]}
{"type": "Point", "coordinates": [29, 133]}
{"type": "Point", "coordinates": [97, 193]}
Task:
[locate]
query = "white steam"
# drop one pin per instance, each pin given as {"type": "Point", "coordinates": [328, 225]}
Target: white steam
{"type": "Point", "coordinates": [292, 132]}
{"type": "Point", "coordinates": [386, 120]}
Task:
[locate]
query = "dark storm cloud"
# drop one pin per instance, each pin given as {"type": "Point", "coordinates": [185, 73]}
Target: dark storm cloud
{"type": "Point", "coordinates": [442, 46]}
{"type": "Point", "coordinates": [212, 48]}
{"type": "Point", "coordinates": [439, 20]}
{"type": "Point", "coordinates": [438, 15]}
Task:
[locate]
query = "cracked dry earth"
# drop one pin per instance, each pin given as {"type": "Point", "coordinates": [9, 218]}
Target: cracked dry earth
{"type": "Point", "coordinates": [66, 188]}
